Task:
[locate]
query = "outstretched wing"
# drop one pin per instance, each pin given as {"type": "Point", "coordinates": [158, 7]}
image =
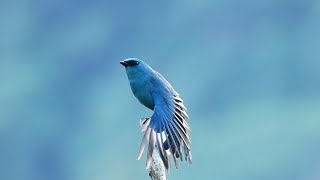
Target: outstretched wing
{"type": "Point", "coordinates": [167, 131]}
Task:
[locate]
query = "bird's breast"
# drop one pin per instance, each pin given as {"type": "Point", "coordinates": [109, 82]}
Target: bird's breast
{"type": "Point", "coordinates": [142, 92]}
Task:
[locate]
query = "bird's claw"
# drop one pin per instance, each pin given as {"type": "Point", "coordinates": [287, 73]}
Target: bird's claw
{"type": "Point", "coordinates": [143, 121]}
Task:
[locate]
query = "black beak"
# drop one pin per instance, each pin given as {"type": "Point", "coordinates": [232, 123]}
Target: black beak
{"type": "Point", "coordinates": [124, 63]}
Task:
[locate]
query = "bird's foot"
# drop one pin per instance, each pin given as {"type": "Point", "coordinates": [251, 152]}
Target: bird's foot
{"type": "Point", "coordinates": [144, 120]}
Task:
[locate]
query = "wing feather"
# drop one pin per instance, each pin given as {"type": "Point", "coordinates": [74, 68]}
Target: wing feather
{"type": "Point", "coordinates": [167, 129]}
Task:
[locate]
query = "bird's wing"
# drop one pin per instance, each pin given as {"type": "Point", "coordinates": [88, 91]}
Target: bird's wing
{"type": "Point", "coordinates": [167, 130]}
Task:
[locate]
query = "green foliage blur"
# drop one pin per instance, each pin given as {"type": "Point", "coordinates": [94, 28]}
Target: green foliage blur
{"type": "Point", "coordinates": [248, 71]}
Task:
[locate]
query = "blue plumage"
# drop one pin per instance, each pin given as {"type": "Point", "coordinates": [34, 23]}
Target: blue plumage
{"type": "Point", "coordinates": [167, 129]}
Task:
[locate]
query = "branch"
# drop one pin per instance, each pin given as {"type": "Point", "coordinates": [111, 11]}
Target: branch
{"type": "Point", "coordinates": [157, 169]}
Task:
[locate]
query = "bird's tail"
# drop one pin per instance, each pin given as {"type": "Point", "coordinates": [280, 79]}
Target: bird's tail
{"type": "Point", "coordinates": [154, 139]}
{"type": "Point", "coordinates": [158, 141]}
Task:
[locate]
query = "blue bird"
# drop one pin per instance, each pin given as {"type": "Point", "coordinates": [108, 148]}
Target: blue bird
{"type": "Point", "coordinates": [167, 130]}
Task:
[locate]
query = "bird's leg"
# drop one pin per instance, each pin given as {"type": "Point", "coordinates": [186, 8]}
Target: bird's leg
{"type": "Point", "coordinates": [143, 121]}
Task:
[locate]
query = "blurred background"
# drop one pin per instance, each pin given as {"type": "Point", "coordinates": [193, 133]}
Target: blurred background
{"type": "Point", "coordinates": [248, 71]}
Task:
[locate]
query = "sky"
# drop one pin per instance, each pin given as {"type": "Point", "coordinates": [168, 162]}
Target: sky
{"type": "Point", "coordinates": [247, 71]}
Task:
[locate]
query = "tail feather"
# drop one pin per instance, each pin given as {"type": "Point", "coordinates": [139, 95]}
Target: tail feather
{"type": "Point", "coordinates": [152, 142]}
{"type": "Point", "coordinates": [168, 132]}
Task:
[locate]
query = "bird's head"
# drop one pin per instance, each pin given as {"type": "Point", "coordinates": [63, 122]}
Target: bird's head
{"type": "Point", "coordinates": [135, 66]}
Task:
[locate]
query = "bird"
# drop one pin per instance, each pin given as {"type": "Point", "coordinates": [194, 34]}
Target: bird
{"type": "Point", "coordinates": [167, 130]}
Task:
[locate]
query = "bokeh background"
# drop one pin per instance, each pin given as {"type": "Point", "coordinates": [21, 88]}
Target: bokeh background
{"type": "Point", "coordinates": [249, 72]}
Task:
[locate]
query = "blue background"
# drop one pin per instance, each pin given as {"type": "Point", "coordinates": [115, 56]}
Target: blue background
{"type": "Point", "coordinates": [248, 71]}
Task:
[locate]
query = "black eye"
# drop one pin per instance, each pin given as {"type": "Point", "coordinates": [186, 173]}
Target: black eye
{"type": "Point", "coordinates": [132, 62]}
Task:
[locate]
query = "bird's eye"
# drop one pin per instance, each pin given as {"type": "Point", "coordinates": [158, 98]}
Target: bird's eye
{"type": "Point", "coordinates": [136, 63]}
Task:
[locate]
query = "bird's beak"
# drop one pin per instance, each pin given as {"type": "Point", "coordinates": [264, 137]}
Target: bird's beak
{"type": "Point", "coordinates": [124, 63]}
